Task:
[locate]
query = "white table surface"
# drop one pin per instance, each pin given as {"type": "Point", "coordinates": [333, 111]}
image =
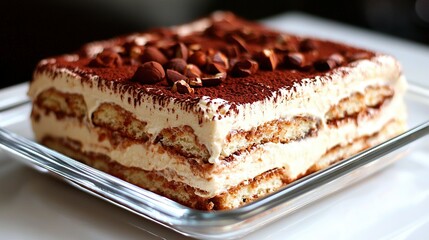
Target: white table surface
{"type": "Point", "coordinates": [393, 204]}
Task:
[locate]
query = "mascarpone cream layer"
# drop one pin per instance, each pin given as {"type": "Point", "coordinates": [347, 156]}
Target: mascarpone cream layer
{"type": "Point", "coordinates": [310, 97]}
{"type": "Point", "coordinates": [296, 157]}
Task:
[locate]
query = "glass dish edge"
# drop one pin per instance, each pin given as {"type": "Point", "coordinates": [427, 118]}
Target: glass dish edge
{"type": "Point", "coordinates": [220, 224]}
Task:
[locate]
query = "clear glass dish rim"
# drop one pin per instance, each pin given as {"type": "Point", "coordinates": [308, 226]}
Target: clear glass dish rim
{"type": "Point", "coordinates": [174, 215]}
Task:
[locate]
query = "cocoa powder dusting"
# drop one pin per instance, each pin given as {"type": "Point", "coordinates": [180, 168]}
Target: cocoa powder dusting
{"type": "Point", "coordinates": [249, 40]}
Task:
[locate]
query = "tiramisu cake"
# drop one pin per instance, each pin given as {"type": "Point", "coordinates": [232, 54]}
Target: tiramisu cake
{"type": "Point", "coordinates": [218, 112]}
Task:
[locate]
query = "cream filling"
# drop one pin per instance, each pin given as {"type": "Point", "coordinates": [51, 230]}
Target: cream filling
{"type": "Point", "coordinates": [311, 97]}
{"type": "Point", "coordinates": [296, 157]}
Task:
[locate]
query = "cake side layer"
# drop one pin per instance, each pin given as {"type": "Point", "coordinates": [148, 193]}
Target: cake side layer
{"type": "Point", "coordinates": [293, 156]}
{"type": "Point", "coordinates": [183, 140]}
{"type": "Point", "coordinates": [213, 119]}
{"type": "Point", "coordinates": [246, 191]}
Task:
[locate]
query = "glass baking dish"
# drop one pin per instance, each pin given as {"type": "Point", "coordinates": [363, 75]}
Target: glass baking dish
{"type": "Point", "coordinates": [16, 140]}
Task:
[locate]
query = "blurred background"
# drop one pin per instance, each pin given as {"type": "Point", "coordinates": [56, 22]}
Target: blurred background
{"type": "Point", "coordinates": [32, 30]}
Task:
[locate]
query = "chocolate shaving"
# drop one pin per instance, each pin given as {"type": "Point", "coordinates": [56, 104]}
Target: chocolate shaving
{"type": "Point", "coordinates": [295, 60]}
{"type": "Point", "coordinates": [180, 51]}
{"type": "Point", "coordinates": [192, 71]}
{"type": "Point", "coordinates": [238, 41]}
{"type": "Point", "coordinates": [182, 87]}
{"type": "Point", "coordinates": [244, 68]}
{"type": "Point", "coordinates": [214, 68]}
{"type": "Point", "coordinates": [267, 59]}
{"type": "Point", "coordinates": [231, 51]}
{"type": "Point", "coordinates": [174, 76]}
{"type": "Point", "coordinates": [331, 62]}
{"type": "Point", "coordinates": [220, 59]}
{"type": "Point", "coordinates": [195, 82]}
{"type": "Point", "coordinates": [325, 64]}
{"type": "Point", "coordinates": [213, 80]}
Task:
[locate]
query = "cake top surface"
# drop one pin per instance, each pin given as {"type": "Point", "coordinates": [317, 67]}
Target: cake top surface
{"type": "Point", "coordinates": [221, 56]}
